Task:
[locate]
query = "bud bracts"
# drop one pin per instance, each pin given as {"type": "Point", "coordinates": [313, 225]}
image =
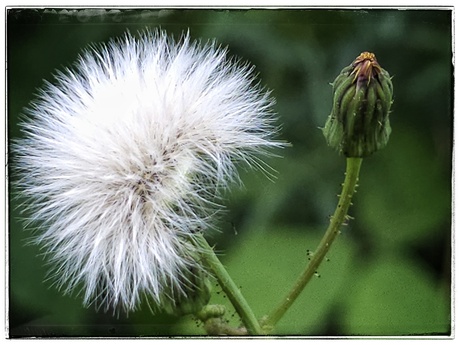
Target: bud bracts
{"type": "Point", "coordinates": [359, 122]}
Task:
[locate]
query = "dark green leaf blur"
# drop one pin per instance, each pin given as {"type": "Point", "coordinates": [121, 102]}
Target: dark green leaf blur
{"type": "Point", "coordinates": [388, 273]}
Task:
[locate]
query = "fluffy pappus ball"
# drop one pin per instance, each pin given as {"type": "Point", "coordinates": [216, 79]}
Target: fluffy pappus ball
{"type": "Point", "coordinates": [123, 158]}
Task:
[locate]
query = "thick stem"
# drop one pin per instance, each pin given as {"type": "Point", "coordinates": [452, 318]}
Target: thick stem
{"type": "Point", "coordinates": [340, 214]}
{"type": "Point", "coordinates": [229, 287]}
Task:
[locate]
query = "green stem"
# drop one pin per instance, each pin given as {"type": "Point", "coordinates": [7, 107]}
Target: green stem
{"type": "Point", "coordinates": [340, 215]}
{"type": "Point", "coordinates": [229, 287]}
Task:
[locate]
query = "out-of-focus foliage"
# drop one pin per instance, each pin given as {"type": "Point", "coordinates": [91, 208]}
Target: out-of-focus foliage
{"type": "Point", "coordinates": [389, 273]}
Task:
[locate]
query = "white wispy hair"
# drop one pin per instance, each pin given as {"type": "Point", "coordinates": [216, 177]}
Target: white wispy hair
{"type": "Point", "coordinates": [124, 156]}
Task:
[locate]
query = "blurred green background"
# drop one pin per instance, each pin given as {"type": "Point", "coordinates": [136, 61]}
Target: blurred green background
{"type": "Point", "coordinates": [389, 273]}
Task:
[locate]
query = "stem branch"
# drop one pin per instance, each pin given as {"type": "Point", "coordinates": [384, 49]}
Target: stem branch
{"type": "Point", "coordinates": [340, 214]}
{"type": "Point", "coordinates": [229, 287]}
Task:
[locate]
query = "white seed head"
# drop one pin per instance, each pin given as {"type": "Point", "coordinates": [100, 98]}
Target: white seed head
{"type": "Point", "coordinates": [124, 155]}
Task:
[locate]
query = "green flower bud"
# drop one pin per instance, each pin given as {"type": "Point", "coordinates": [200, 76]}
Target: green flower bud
{"type": "Point", "coordinates": [359, 123]}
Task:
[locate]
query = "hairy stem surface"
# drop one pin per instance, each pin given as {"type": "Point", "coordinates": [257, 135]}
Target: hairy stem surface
{"type": "Point", "coordinates": [229, 287]}
{"type": "Point", "coordinates": [338, 218]}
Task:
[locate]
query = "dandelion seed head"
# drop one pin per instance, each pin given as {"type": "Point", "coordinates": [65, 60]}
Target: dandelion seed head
{"type": "Point", "coordinates": [124, 156]}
